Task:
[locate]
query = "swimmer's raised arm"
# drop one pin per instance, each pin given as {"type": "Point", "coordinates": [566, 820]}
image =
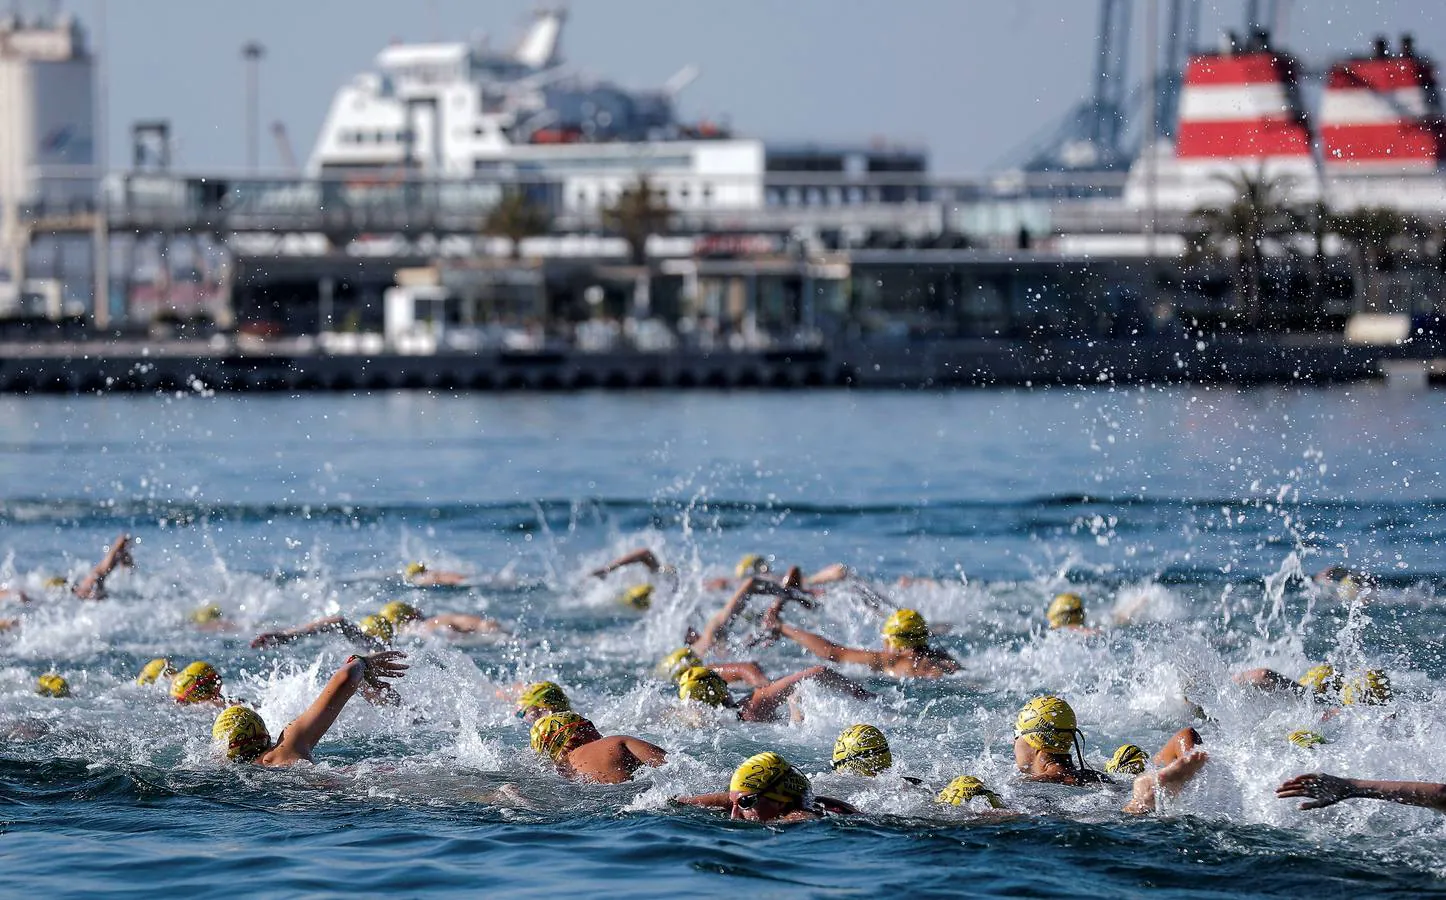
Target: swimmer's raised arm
{"type": "Point", "coordinates": [307, 729]}
{"type": "Point", "coordinates": [639, 557]}
{"type": "Point", "coordinates": [1169, 780]}
{"type": "Point", "coordinates": [829, 575]}
{"type": "Point", "coordinates": [92, 586]}
{"type": "Point", "coordinates": [1324, 790]}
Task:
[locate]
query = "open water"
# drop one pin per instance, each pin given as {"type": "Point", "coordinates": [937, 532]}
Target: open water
{"type": "Point", "coordinates": [1200, 513]}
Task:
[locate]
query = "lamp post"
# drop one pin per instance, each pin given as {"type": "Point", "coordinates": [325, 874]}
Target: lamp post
{"type": "Point", "coordinates": [252, 52]}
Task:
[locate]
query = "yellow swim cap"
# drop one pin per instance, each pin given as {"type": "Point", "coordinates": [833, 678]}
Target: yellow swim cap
{"type": "Point", "coordinates": [154, 670]}
{"type": "Point", "coordinates": [555, 733]}
{"type": "Point", "coordinates": [1371, 689]}
{"type": "Point", "coordinates": [543, 695]}
{"type": "Point", "coordinates": [1306, 740]}
{"type": "Point", "coordinates": [769, 775]}
{"type": "Point", "coordinates": [676, 663]}
{"type": "Point", "coordinates": [639, 597]}
{"type": "Point", "coordinates": [965, 788]}
{"type": "Point", "coordinates": [1048, 724]}
{"type": "Point", "coordinates": [243, 731]}
{"type": "Point", "coordinates": [1128, 760]}
{"type": "Point", "coordinates": [196, 683]}
{"type": "Point", "coordinates": [56, 581]}
{"type": "Point", "coordinates": [1321, 679]}
{"type": "Point", "coordinates": [751, 564]}
{"type": "Point", "coordinates": [906, 630]}
{"type": "Point", "coordinates": [398, 612]}
{"type": "Point", "coordinates": [208, 613]}
{"type": "Point", "coordinates": [704, 685]}
{"type": "Point", "coordinates": [415, 568]}
{"type": "Point", "coordinates": [52, 685]}
{"type": "Point", "coordinates": [862, 750]}
{"type": "Point", "coordinates": [377, 627]}
{"type": "Point", "coordinates": [1064, 610]}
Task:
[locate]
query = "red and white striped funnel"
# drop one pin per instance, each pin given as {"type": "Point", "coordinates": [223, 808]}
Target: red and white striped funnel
{"type": "Point", "coordinates": [1381, 112]}
{"type": "Point", "coordinates": [1242, 107]}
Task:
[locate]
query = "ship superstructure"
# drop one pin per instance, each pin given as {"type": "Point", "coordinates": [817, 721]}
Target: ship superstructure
{"type": "Point", "coordinates": [457, 111]}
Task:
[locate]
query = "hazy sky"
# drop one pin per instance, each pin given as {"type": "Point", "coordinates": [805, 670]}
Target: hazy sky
{"type": "Point", "coordinates": [969, 79]}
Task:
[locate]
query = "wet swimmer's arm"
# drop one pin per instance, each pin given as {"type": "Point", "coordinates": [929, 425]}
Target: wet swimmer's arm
{"type": "Point", "coordinates": [716, 629]}
{"type": "Point", "coordinates": [1169, 780]}
{"type": "Point", "coordinates": [824, 648]}
{"type": "Point", "coordinates": [749, 673]}
{"type": "Point", "coordinates": [829, 575]}
{"type": "Point", "coordinates": [320, 626]}
{"type": "Point", "coordinates": [1322, 790]}
{"type": "Point", "coordinates": [307, 730]}
{"type": "Point", "coordinates": [722, 800]}
{"type": "Point", "coordinates": [92, 586]}
{"type": "Point", "coordinates": [462, 623]}
{"type": "Point", "coordinates": [1267, 680]}
{"type": "Point", "coordinates": [641, 556]}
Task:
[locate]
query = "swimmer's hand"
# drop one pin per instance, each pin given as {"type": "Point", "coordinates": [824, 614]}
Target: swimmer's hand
{"type": "Point", "coordinates": [269, 639]}
{"type": "Point", "coordinates": [376, 667]}
{"type": "Point", "coordinates": [1322, 789]}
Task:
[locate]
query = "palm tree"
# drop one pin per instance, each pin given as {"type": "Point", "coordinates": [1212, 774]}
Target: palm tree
{"type": "Point", "coordinates": [1375, 234]}
{"type": "Point", "coordinates": [1257, 221]}
{"type": "Point", "coordinates": [639, 212]}
{"type": "Point", "coordinates": [517, 217]}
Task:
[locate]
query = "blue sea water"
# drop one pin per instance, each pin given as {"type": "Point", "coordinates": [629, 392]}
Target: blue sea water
{"type": "Point", "coordinates": [1194, 516]}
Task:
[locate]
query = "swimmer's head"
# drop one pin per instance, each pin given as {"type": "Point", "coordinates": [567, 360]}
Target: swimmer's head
{"type": "Point", "coordinates": [1065, 610]}
{"type": "Point", "coordinates": [751, 564]}
{"type": "Point", "coordinates": [196, 683]}
{"type": "Point", "coordinates": [768, 776]}
{"type": "Point", "coordinates": [414, 569]}
{"type": "Point", "coordinates": [541, 698]}
{"type": "Point", "coordinates": [55, 582]}
{"type": "Point", "coordinates": [155, 670]}
{"type": "Point", "coordinates": [1372, 688]}
{"type": "Point", "coordinates": [1306, 739]}
{"type": "Point", "coordinates": [639, 597]}
{"type": "Point", "coordinates": [1047, 724]}
{"type": "Point", "coordinates": [906, 630]}
{"type": "Point", "coordinates": [52, 685]}
{"type": "Point", "coordinates": [1128, 760]}
{"type": "Point", "coordinates": [965, 788]}
{"type": "Point", "coordinates": [556, 733]}
{"type": "Point", "coordinates": [702, 684]}
{"type": "Point", "coordinates": [676, 663]}
{"type": "Point", "coordinates": [1321, 680]}
{"type": "Point", "coordinates": [377, 627]}
{"type": "Point", "coordinates": [862, 750]}
{"type": "Point", "coordinates": [242, 732]}
{"type": "Point", "coordinates": [201, 615]}
{"type": "Point", "coordinates": [399, 612]}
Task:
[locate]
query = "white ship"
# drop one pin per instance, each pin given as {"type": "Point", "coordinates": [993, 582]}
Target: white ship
{"type": "Point", "coordinates": [457, 111]}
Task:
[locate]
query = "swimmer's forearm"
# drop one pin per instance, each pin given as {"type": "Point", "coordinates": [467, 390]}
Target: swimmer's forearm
{"type": "Point", "coordinates": [716, 801]}
{"type": "Point", "coordinates": [1410, 793]}
{"type": "Point", "coordinates": [816, 644]}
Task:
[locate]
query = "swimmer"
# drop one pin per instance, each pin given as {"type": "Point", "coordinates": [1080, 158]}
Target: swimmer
{"type": "Point", "coordinates": [763, 704]}
{"type": "Point", "coordinates": [242, 731]}
{"type": "Point", "coordinates": [407, 618]}
{"type": "Point", "coordinates": [211, 618]}
{"type": "Point", "coordinates": [418, 574]}
{"type": "Point", "coordinates": [863, 750]}
{"type": "Point", "coordinates": [581, 753]}
{"type": "Point", "coordinates": [1322, 790]}
{"type": "Point", "coordinates": [766, 788]}
{"type": "Point", "coordinates": [1349, 583]}
{"type": "Point", "coordinates": [92, 586]}
{"type": "Point", "coordinates": [906, 652]}
{"type": "Point", "coordinates": [156, 671]}
{"type": "Point", "coordinates": [1045, 732]}
{"type": "Point", "coordinates": [52, 685]}
{"type": "Point", "coordinates": [197, 683]}
{"type": "Point", "coordinates": [539, 699]}
{"type": "Point", "coordinates": [639, 557]}
{"type": "Point", "coordinates": [754, 565]}
{"type": "Point", "coordinates": [967, 788]}
{"type": "Point", "coordinates": [1066, 612]}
